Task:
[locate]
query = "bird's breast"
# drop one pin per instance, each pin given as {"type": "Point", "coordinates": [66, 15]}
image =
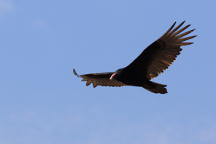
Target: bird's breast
{"type": "Point", "coordinates": [132, 79]}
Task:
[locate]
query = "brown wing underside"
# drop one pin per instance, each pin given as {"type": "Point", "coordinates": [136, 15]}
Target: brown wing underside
{"type": "Point", "coordinates": [159, 55]}
{"type": "Point", "coordinates": [100, 79]}
{"type": "Point", "coordinates": [169, 49]}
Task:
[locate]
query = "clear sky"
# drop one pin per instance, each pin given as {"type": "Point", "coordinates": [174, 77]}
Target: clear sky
{"type": "Point", "coordinates": [42, 102]}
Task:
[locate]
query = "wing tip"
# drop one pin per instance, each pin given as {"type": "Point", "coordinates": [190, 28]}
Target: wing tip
{"type": "Point", "coordinates": [75, 73]}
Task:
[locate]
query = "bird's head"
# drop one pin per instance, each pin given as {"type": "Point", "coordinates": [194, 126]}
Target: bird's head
{"type": "Point", "coordinates": [115, 74]}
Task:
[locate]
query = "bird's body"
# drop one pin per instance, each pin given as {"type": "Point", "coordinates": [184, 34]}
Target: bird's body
{"type": "Point", "coordinates": [149, 64]}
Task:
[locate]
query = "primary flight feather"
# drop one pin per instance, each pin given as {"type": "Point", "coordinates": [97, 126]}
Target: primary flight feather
{"type": "Point", "coordinates": [149, 64]}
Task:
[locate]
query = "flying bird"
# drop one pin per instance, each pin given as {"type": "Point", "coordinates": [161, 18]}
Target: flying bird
{"type": "Point", "coordinates": [149, 64]}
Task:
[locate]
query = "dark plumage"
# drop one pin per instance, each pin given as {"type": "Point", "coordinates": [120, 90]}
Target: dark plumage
{"type": "Point", "coordinates": [149, 64]}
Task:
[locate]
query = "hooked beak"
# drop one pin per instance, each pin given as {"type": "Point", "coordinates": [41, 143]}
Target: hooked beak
{"type": "Point", "coordinates": [112, 76]}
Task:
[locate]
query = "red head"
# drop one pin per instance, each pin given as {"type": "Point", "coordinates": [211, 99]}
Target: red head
{"type": "Point", "coordinates": [113, 76]}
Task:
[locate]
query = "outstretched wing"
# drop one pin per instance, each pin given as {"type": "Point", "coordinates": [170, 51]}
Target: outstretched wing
{"type": "Point", "coordinates": [159, 55]}
{"type": "Point", "coordinates": [100, 79]}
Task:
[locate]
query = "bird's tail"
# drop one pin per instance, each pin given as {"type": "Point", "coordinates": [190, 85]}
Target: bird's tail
{"type": "Point", "coordinates": [155, 87]}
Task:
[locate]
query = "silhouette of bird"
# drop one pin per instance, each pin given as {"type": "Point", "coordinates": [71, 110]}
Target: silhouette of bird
{"type": "Point", "coordinates": [149, 64]}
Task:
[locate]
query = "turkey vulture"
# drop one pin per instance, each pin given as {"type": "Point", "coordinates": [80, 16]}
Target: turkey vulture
{"type": "Point", "coordinates": [149, 64]}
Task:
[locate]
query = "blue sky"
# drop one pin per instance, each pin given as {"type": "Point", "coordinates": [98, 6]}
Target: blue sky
{"type": "Point", "coordinates": [42, 102]}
